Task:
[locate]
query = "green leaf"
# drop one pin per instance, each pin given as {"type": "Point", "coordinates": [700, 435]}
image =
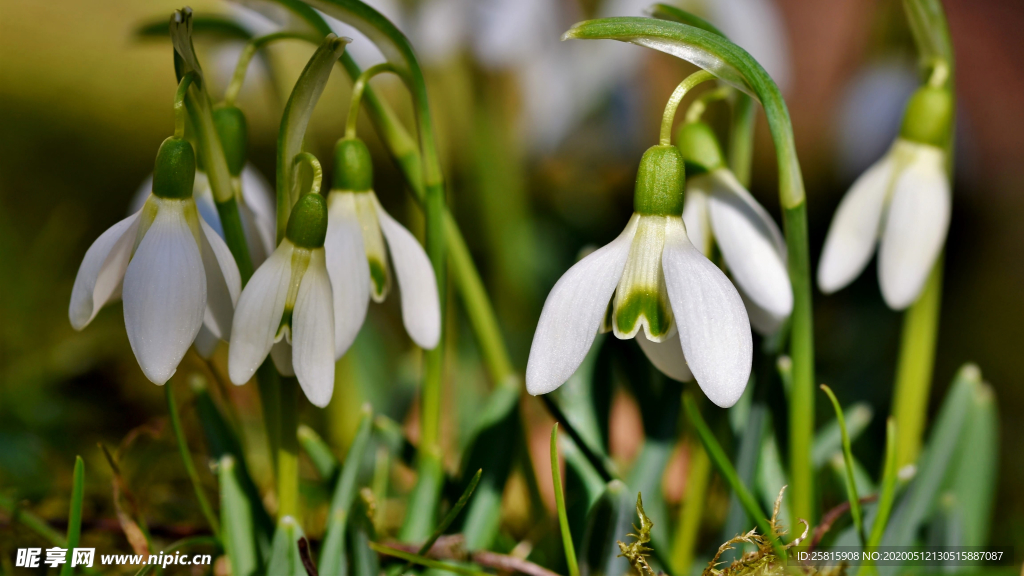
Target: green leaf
{"type": "Point", "coordinates": [494, 440]}
{"type": "Point", "coordinates": [75, 514]}
{"type": "Point", "coordinates": [319, 453]}
{"type": "Point", "coordinates": [285, 559]}
{"type": "Point", "coordinates": [610, 519]}
{"type": "Point", "coordinates": [725, 468]}
{"type": "Point", "coordinates": [578, 399]}
{"type": "Point", "coordinates": [676, 14]}
{"type": "Point", "coordinates": [221, 441]}
{"type": "Point", "coordinates": [931, 32]}
{"type": "Point", "coordinates": [563, 518]}
{"type": "Point", "coordinates": [829, 440]}
{"type": "Point", "coordinates": [887, 493]}
{"type": "Point", "coordinates": [332, 553]}
{"type": "Point", "coordinates": [236, 514]}
{"type": "Point", "coordinates": [583, 486]}
{"type": "Point", "coordinates": [920, 499]}
{"type": "Point", "coordinates": [851, 482]}
{"type": "Point", "coordinates": [975, 468]}
{"type": "Point", "coordinates": [361, 532]}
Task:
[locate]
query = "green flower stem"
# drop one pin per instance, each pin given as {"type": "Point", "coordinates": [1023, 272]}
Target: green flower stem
{"type": "Point", "coordinates": [700, 103]}
{"type": "Point", "coordinates": [180, 116]}
{"type": "Point", "coordinates": [741, 138]}
{"type": "Point", "coordinates": [851, 483]}
{"type": "Point", "coordinates": [563, 518]}
{"type": "Point", "coordinates": [732, 64]}
{"type": "Point", "coordinates": [668, 117]}
{"type": "Point", "coordinates": [251, 47]}
{"type": "Point", "coordinates": [914, 366]}
{"type": "Point", "coordinates": [725, 468]}
{"type": "Point", "coordinates": [317, 173]}
{"type": "Point", "coordinates": [921, 321]}
{"type": "Point", "coordinates": [186, 458]}
{"type": "Point", "coordinates": [269, 383]}
{"type": "Point", "coordinates": [288, 449]}
{"type": "Point", "coordinates": [698, 476]}
{"type": "Point", "coordinates": [358, 87]}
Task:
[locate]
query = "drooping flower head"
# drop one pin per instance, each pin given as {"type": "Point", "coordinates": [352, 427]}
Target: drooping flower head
{"type": "Point", "coordinates": [286, 309]}
{"type": "Point", "coordinates": [360, 236]}
{"type": "Point", "coordinates": [650, 283]}
{"type": "Point", "coordinates": [719, 211]}
{"type": "Point", "coordinates": [902, 202]}
{"type": "Point", "coordinates": [173, 272]}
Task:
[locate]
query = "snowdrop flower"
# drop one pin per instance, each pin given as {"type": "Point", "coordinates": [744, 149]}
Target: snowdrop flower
{"type": "Point", "coordinates": [719, 210]}
{"type": "Point", "coordinates": [903, 202]}
{"type": "Point", "coordinates": [653, 284]}
{"type": "Point", "coordinates": [253, 195]}
{"type": "Point", "coordinates": [286, 309]}
{"type": "Point", "coordinates": [357, 259]}
{"type": "Point", "coordinates": [173, 272]}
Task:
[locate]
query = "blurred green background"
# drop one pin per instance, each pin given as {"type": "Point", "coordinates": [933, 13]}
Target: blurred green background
{"type": "Point", "coordinates": [84, 103]}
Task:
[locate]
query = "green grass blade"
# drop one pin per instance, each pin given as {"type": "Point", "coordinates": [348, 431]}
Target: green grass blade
{"type": "Point", "coordinates": [725, 468]}
{"type": "Point", "coordinates": [186, 459]}
{"type": "Point", "coordinates": [563, 518]}
{"type": "Point", "coordinates": [851, 483]}
{"type": "Point", "coordinates": [886, 495]}
{"type": "Point", "coordinates": [448, 518]}
{"type": "Point", "coordinates": [75, 515]}
{"type": "Point", "coordinates": [332, 554]}
{"type": "Point", "coordinates": [319, 453]}
{"type": "Point", "coordinates": [239, 535]}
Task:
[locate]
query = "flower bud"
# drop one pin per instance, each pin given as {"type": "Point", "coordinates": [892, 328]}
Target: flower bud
{"type": "Point", "coordinates": [659, 182]}
{"type": "Point", "coordinates": [175, 170]}
{"type": "Point", "coordinates": [353, 168]}
{"type": "Point", "coordinates": [307, 226]}
{"type": "Point", "coordinates": [928, 116]}
{"type": "Point", "coordinates": [234, 135]}
{"type": "Point", "coordinates": [697, 142]}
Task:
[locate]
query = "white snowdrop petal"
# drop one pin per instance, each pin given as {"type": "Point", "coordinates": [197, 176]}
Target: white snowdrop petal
{"type": "Point", "coordinates": [100, 274]}
{"type": "Point", "coordinates": [223, 283]}
{"type": "Point", "coordinates": [695, 215]}
{"type": "Point", "coordinates": [573, 313]}
{"type": "Point", "coordinates": [714, 331]}
{"type": "Point", "coordinates": [751, 246]}
{"type": "Point", "coordinates": [851, 236]}
{"type": "Point", "coordinates": [915, 228]}
{"type": "Point", "coordinates": [313, 332]}
{"type": "Point", "coordinates": [259, 214]}
{"type": "Point", "coordinates": [164, 293]}
{"type": "Point", "coordinates": [421, 308]}
{"type": "Point", "coordinates": [258, 314]}
{"type": "Point", "coordinates": [348, 270]}
{"type": "Point", "coordinates": [666, 356]}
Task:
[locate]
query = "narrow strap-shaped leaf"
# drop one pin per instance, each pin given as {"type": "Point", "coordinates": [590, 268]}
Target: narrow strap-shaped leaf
{"type": "Point", "coordinates": [236, 514]}
{"type": "Point", "coordinates": [319, 453]}
{"type": "Point", "coordinates": [725, 468]}
{"type": "Point", "coordinates": [609, 520]}
{"type": "Point", "coordinates": [75, 515]}
{"type": "Point", "coordinates": [285, 559]}
{"type": "Point", "coordinates": [886, 495]}
{"type": "Point", "coordinates": [492, 443]}
{"type": "Point", "coordinates": [976, 468]}
{"type": "Point", "coordinates": [332, 553]}
{"type": "Point", "coordinates": [829, 439]}
{"type": "Point", "coordinates": [851, 482]}
{"type": "Point", "coordinates": [448, 518]}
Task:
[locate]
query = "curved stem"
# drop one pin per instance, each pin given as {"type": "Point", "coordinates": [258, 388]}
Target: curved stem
{"type": "Point", "coordinates": [180, 115]}
{"type": "Point", "coordinates": [186, 458]}
{"type": "Point", "coordinates": [251, 47]}
{"type": "Point", "coordinates": [700, 103]}
{"type": "Point", "coordinates": [314, 165]}
{"type": "Point", "coordinates": [672, 105]}
{"type": "Point", "coordinates": [357, 94]}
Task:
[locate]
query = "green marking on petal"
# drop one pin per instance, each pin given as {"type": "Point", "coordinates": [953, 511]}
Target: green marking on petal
{"type": "Point", "coordinates": [643, 305]}
{"type": "Point", "coordinates": [379, 276]}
